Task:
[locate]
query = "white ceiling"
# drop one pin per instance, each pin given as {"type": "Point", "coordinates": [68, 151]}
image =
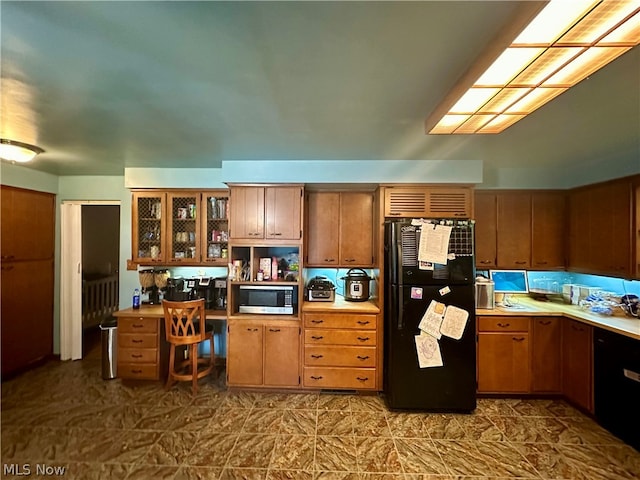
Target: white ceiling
{"type": "Point", "coordinates": [106, 85]}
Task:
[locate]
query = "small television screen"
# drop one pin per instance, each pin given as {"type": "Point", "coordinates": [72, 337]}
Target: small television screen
{"type": "Point", "coordinates": [509, 281]}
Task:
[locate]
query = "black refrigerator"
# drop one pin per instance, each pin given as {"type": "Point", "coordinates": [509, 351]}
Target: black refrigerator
{"type": "Point", "coordinates": [409, 292]}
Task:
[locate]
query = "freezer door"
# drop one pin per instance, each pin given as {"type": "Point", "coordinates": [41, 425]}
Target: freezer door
{"type": "Point", "coordinates": [451, 387]}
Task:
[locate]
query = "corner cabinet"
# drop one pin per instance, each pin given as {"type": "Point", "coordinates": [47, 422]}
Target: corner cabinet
{"type": "Point", "coordinates": [180, 227]}
{"type": "Point", "coordinates": [577, 363]}
{"type": "Point", "coordinates": [269, 212]}
{"type": "Point", "coordinates": [428, 201]}
{"type": "Point", "coordinates": [263, 353]}
{"type": "Point", "coordinates": [339, 229]}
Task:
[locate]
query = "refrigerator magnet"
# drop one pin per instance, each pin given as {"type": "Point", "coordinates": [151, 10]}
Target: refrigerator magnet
{"type": "Point", "coordinates": [416, 293]}
{"type": "Point", "coordinates": [444, 290]}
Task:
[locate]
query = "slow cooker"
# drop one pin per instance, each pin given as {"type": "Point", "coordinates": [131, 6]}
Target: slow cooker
{"type": "Point", "coordinates": [356, 285]}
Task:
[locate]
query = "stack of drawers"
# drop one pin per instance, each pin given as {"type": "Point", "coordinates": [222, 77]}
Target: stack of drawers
{"type": "Point", "coordinates": [340, 350]}
{"type": "Point", "coordinates": [139, 348]}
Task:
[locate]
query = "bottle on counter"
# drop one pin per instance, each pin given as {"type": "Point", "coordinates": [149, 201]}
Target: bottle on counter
{"type": "Point", "coordinates": [136, 298]}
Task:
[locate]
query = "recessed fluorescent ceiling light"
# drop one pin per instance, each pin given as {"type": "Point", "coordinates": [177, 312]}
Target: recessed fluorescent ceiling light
{"type": "Point", "coordinates": [566, 42]}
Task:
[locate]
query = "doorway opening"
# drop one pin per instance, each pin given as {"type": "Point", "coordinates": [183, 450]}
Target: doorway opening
{"type": "Point", "coordinates": [100, 274]}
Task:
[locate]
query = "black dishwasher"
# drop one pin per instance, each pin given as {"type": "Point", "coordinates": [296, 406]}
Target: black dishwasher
{"type": "Point", "coordinates": [617, 385]}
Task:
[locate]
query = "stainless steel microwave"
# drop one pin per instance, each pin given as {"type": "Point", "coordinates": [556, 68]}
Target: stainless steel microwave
{"type": "Point", "coordinates": [267, 299]}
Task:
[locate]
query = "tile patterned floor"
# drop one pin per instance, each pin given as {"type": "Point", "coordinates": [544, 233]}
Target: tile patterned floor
{"type": "Point", "coordinates": [63, 415]}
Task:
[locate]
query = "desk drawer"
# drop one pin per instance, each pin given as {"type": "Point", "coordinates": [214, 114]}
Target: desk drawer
{"type": "Point", "coordinates": [143, 371]}
{"type": "Point", "coordinates": [137, 355]}
{"type": "Point", "coordinates": [323, 336]}
{"type": "Point", "coordinates": [340, 356]}
{"type": "Point", "coordinates": [503, 324]}
{"type": "Point", "coordinates": [137, 340]}
{"type": "Point", "coordinates": [340, 320]}
{"type": "Point", "coordinates": [327, 377]}
{"type": "Point", "coordinates": [137, 325]}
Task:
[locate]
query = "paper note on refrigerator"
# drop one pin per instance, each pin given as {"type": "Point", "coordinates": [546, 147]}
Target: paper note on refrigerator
{"type": "Point", "coordinates": [432, 319]}
{"type": "Point", "coordinates": [428, 351]}
{"type": "Point", "coordinates": [454, 322]}
{"type": "Point", "coordinates": [434, 244]}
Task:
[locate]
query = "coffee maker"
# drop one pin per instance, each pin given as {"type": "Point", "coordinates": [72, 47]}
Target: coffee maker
{"type": "Point", "coordinates": [220, 293]}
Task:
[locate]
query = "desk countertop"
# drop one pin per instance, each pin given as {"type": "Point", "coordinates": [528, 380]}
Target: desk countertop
{"type": "Point", "coordinates": [340, 305]}
{"type": "Point", "coordinates": [156, 311]}
{"type": "Point", "coordinates": [526, 306]}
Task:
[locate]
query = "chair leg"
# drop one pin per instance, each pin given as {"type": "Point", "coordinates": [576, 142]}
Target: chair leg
{"type": "Point", "coordinates": [194, 368]}
{"type": "Point", "coordinates": [172, 359]}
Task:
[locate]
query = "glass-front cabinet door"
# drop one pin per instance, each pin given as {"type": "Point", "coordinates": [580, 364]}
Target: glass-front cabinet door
{"type": "Point", "coordinates": [215, 227]}
{"type": "Point", "coordinates": [148, 227]}
{"type": "Point", "coordinates": [183, 227]}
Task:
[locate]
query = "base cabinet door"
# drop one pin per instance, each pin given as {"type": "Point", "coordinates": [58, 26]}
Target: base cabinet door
{"type": "Point", "coordinates": [281, 356]}
{"type": "Point", "coordinates": [545, 355]}
{"type": "Point", "coordinates": [244, 354]}
{"type": "Point", "coordinates": [577, 363]}
{"type": "Point", "coordinates": [503, 362]}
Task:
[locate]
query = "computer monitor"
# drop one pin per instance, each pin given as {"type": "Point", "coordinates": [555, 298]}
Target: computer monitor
{"type": "Point", "coordinates": [509, 281]}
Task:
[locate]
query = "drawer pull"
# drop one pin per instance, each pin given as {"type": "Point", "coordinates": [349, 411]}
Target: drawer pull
{"type": "Point", "coordinates": [361, 357]}
{"type": "Point", "coordinates": [329, 259]}
{"type": "Point", "coordinates": [136, 341]}
{"type": "Point", "coordinates": [518, 339]}
{"type": "Point", "coordinates": [136, 355]}
{"type": "Point", "coordinates": [137, 325]}
{"type": "Point", "coordinates": [363, 339]}
{"type": "Point", "coordinates": [363, 322]}
{"type": "Point", "coordinates": [274, 329]}
{"type": "Point", "coordinates": [317, 337]}
{"type": "Point", "coordinates": [317, 356]}
{"type": "Point", "coordinates": [362, 379]}
{"type": "Point", "coordinates": [316, 378]}
{"type": "Point", "coordinates": [521, 262]}
{"type": "Point", "coordinates": [252, 329]}
{"type": "Point", "coordinates": [136, 371]}
{"type": "Point", "coordinates": [504, 325]}
{"type": "Point", "coordinates": [545, 322]}
{"type": "Point", "coordinates": [317, 321]}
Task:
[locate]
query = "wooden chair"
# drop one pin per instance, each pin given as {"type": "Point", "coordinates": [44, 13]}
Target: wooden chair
{"type": "Point", "coordinates": [185, 326]}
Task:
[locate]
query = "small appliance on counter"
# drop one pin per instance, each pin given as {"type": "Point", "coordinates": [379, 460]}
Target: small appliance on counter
{"type": "Point", "coordinates": [356, 285]}
{"type": "Point", "coordinates": [485, 297]}
{"type": "Point", "coordinates": [213, 290]}
{"type": "Point", "coordinates": [152, 282]}
{"type": "Point", "coordinates": [321, 289]}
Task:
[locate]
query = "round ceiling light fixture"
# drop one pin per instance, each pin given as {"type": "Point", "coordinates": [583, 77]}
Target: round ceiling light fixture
{"type": "Point", "coordinates": [20, 152]}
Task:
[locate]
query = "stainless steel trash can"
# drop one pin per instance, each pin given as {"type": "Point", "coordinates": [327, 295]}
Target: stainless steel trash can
{"type": "Point", "coordinates": [108, 336]}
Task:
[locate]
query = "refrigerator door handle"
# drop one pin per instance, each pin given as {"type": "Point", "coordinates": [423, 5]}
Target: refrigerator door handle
{"type": "Point", "coordinates": [396, 307]}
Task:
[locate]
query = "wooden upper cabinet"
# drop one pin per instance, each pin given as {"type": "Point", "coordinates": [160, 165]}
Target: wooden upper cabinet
{"type": "Point", "coordinates": [548, 233]}
{"type": "Point", "coordinates": [28, 224]}
{"type": "Point", "coordinates": [636, 232]}
{"type": "Point", "coordinates": [340, 229]}
{"type": "Point", "coordinates": [149, 227]}
{"type": "Point", "coordinates": [266, 212]}
{"type": "Point", "coordinates": [323, 221]}
{"type": "Point", "coordinates": [247, 212]}
{"type": "Point", "coordinates": [428, 201]}
{"type": "Point", "coordinates": [485, 229]}
{"type": "Point", "coordinates": [514, 230]}
{"type": "Point", "coordinates": [356, 229]}
{"type": "Point", "coordinates": [601, 228]}
{"type": "Point", "coordinates": [283, 206]}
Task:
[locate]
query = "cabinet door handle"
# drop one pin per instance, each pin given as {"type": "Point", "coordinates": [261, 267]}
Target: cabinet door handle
{"type": "Point", "coordinates": [8, 267]}
{"type": "Point", "coordinates": [485, 261]}
{"type": "Point", "coordinates": [136, 341]}
{"type": "Point", "coordinates": [7, 257]}
{"type": "Point", "coordinates": [504, 325]}
{"type": "Point", "coordinates": [363, 322]}
{"type": "Point", "coordinates": [275, 234]}
{"type": "Point", "coordinates": [362, 379]}
{"type": "Point", "coordinates": [317, 321]}
{"type": "Point", "coordinates": [329, 259]}
{"type": "Point", "coordinates": [577, 328]}
{"type": "Point", "coordinates": [317, 337]}
{"type": "Point", "coordinates": [316, 378]}
{"type": "Point", "coordinates": [136, 355]}
{"type": "Point", "coordinates": [518, 339]}
{"type": "Point", "coordinates": [541, 263]}
{"type": "Point", "coordinates": [349, 260]}
{"type": "Point", "coordinates": [363, 339]}
{"type": "Point", "coordinates": [365, 357]}
{"type": "Point", "coordinates": [274, 329]}
{"type": "Point", "coordinates": [545, 322]}
{"type": "Point", "coordinates": [317, 356]}
{"type": "Point", "coordinates": [252, 329]}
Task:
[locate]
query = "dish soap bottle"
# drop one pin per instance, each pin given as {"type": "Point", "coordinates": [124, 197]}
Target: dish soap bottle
{"type": "Point", "coordinates": [136, 299]}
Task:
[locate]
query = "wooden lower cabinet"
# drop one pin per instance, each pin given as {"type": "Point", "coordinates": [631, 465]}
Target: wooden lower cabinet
{"type": "Point", "coordinates": [577, 363]}
{"type": "Point", "coordinates": [340, 351]}
{"type": "Point", "coordinates": [263, 353]}
{"type": "Point", "coordinates": [546, 344]}
{"type": "Point", "coordinates": [142, 351]}
{"type": "Point", "coordinates": [503, 355]}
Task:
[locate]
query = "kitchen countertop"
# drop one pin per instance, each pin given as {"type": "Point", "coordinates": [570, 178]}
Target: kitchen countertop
{"type": "Point", "coordinates": [156, 311]}
{"type": "Point", "coordinates": [340, 305]}
{"type": "Point", "coordinates": [527, 306]}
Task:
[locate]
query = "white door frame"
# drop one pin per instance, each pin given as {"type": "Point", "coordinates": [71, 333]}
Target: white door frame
{"type": "Point", "coordinates": [71, 276]}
